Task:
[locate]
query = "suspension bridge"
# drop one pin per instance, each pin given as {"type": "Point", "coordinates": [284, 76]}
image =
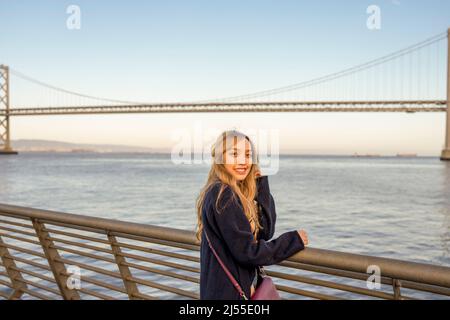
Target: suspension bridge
{"type": "Point", "coordinates": [414, 79]}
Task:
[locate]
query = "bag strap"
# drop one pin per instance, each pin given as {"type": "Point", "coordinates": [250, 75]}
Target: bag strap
{"type": "Point", "coordinates": [230, 276]}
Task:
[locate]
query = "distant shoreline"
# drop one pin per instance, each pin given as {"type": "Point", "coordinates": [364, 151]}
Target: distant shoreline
{"type": "Point", "coordinates": [369, 156]}
{"type": "Point", "coordinates": [60, 147]}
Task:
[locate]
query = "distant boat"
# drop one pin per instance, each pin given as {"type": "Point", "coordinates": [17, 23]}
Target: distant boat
{"type": "Point", "coordinates": [366, 155]}
{"type": "Point", "coordinates": [82, 150]}
{"type": "Point", "coordinates": [407, 155]}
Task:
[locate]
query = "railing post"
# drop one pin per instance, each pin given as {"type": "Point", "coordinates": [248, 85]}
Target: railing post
{"type": "Point", "coordinates": [396, 285]}
{"type": "Point", "coordinates": [446, 152]}
{"type": "Point", "coordinates": [11, 269]}
{"type": "Point", "coordinates": [58, 268]}
{"type": "Point", "coordinates": [125, 272]}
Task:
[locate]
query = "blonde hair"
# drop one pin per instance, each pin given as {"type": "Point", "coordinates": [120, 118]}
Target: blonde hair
{"type": "Point", "coordinates": [246, 189]}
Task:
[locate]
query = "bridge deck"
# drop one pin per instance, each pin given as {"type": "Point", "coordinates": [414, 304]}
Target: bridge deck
{"type": "Point", "coordinates": [280, 106]}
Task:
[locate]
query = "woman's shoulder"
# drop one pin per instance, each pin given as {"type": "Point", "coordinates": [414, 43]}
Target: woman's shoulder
{"type": "Point", "coordinates": [219, 194]}
{"type": "Point", "coordinates": [218, 187]}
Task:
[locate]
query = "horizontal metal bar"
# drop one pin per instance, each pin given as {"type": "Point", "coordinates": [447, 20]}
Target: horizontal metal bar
{"type": "Point", "coordinates": [6, 284]}
{"type": "Point", "coordinates": [40, 286]}
{"type": "Point", "coordinates": [18, 224]}
{"type": "Point", "coordinates": [23, 250]}
{"type": "Point", "coordinates": [162, 272]}
{"type": "Point", "coordinates": [332, 271]}
{"type": "Point", "coordinates": [99, 283]}
{"type": "Point", "coordinates": [329, 284]}
{"type": "Point", "coordinates": [80, 244]}
{"type": "Point", "coordinates": [161, 262]}
{"type": "Point", "coordinates": [164, 287]}
{"type": "Point", "coordinates": [19, 238]}
{"type": "Point", "coordinates": [96, 294]}
{"type": "Point", "coordinates": [34, 274]}
{"type": "Point", "coordinates": [74, 226]}
{"type": "Point", "coordinates": [82, 253]}
{"type": "Point", "coordinates": [90, 267]}
{"type": "Point", "coordinates": [31, 234]}
{"type": "Point", "coordinates": [144, 296]}
{"type": "Point", "coordinates": [307, 293]}
{"type": "Point", "coordinates": [32, 263]}
{"type": "Point", "coordinates": [192, 247]}
{"type": "Point", "coordinates": [159, 252]}
{"type": "Point", "coordinates": [74, 235]}
{"type": "Point", "coordinates": [393, 268]}
{"type": "Point", "coordinates": [426, 288]}
{"type": "Point", "coordinates": [100, 223]}
{"type": "Point", "coordinates": [36, 294]}
{"type": "Point", "coordinates": [362, 277]}
{"type": "Point", "coordinates": [182, 245]}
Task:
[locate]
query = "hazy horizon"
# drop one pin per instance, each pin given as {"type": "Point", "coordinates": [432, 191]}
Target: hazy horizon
{"type": "Point", "coordinates": [33, 145]}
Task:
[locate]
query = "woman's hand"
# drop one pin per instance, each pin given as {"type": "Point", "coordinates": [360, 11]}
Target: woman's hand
{"type": "Point", "coordinates": [304, 236]}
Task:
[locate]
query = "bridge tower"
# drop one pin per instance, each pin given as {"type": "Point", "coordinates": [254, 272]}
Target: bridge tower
{"type": "Point", "coordinates": [5, 142]}
{"type": "Point", "coordinates": [446, 152]}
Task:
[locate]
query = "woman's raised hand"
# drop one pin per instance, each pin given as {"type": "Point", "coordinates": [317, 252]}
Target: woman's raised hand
{"type": "Point", "coordinates": [304, 236]}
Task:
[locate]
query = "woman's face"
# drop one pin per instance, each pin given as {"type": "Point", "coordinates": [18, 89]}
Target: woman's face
{"type": "Point", "coordinates": [238, 159]}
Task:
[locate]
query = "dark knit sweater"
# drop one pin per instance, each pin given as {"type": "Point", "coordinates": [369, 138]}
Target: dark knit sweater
{"type": "Point", "coordinates": [230, 233]}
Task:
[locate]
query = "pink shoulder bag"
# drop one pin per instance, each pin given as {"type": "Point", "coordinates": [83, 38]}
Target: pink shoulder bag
{"type": "Point", "coordinates": [266, 290]}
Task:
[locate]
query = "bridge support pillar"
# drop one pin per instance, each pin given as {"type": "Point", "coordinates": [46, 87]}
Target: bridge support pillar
{"type": "Point", "coordinates": [5, 143]}
{"type": "Point", "coordinates": [446, 152]}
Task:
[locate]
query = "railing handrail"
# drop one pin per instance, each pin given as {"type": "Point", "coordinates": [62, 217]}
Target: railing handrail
{"type": "Point", "coordinates": [392, 268]}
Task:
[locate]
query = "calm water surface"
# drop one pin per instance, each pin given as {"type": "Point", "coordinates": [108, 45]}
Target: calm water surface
{"type": "Point", "coordinates": [387, 206]}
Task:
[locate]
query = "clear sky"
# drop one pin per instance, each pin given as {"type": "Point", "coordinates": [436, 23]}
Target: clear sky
{"type": "Point", "coordinates": [192, 50]}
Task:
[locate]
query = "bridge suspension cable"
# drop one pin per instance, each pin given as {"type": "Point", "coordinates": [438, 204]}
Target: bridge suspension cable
{"type": "Point", "coordinates": [406, 74]}
{"type": "Point", "coordinates": [52, 87]}
{"type": "Point", "coordinates": [342, 73]}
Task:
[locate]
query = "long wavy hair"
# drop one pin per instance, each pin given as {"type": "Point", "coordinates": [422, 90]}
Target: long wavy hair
{"type": "Point", "coordinates": [245, 190]}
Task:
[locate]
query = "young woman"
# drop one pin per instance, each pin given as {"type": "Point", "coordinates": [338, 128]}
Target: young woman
{"type": "Point", "coordinates": [237, 211]}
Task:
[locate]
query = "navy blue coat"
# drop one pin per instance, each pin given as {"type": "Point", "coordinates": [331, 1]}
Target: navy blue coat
{"type": "Point", "coordinates": [230, 234]}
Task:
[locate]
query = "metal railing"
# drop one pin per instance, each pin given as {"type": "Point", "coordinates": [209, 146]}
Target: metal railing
{"type": "Point", "coordinates": [53, 255]}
